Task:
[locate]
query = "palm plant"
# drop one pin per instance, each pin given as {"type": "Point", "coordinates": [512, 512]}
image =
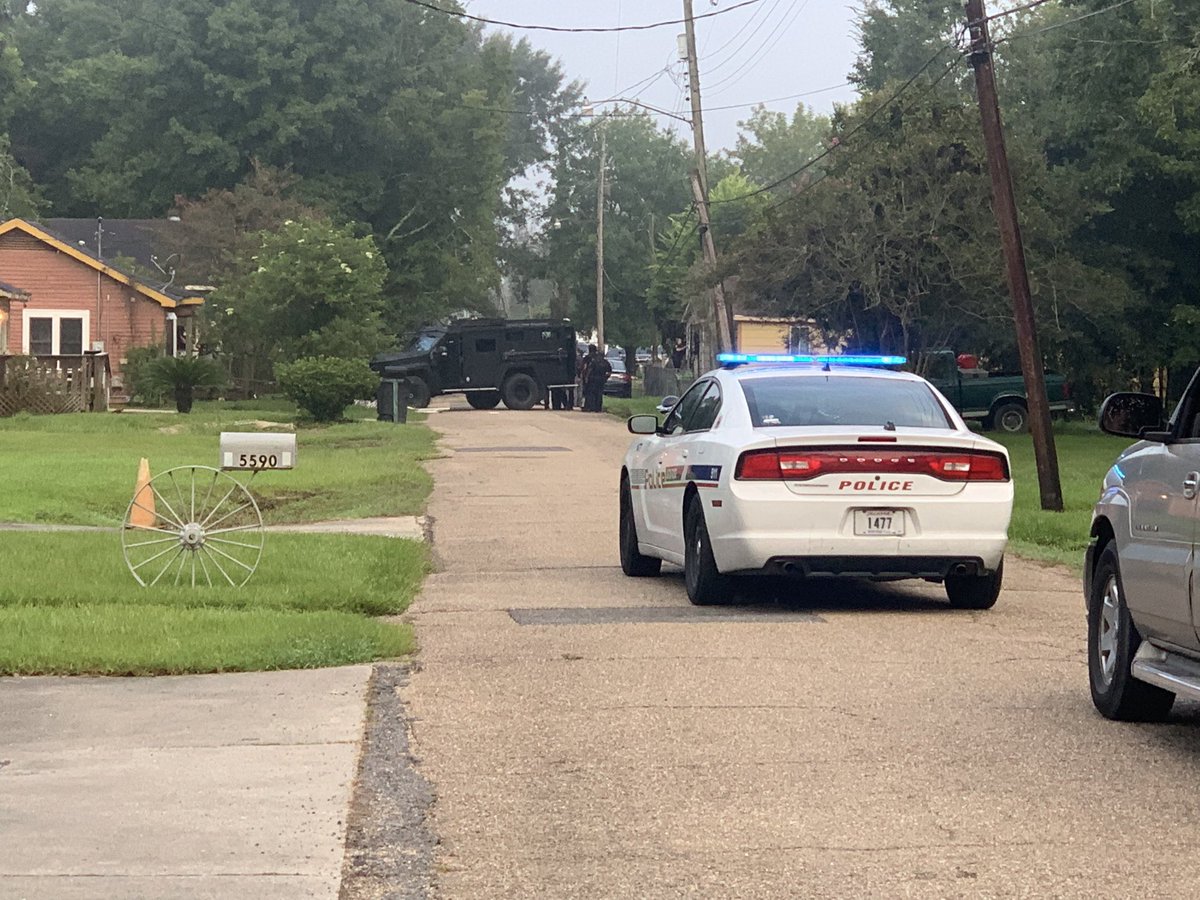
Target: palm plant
{"type": "Point", "coordinates": [181, 375]}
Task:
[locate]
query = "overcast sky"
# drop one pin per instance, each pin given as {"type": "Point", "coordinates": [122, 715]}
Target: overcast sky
{"type": "Point", "coordinates": [771, 49]}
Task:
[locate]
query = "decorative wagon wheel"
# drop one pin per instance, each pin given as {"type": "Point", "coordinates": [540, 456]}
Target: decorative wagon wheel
{"type": "Point", "coordinates": [192, 525]}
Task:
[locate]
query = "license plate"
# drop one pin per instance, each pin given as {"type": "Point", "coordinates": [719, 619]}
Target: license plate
{"type": "Point", "coordinates": [872, 522]}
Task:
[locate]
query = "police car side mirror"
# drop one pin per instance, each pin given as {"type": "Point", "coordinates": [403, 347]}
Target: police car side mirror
{"type": "Point", "coordinates": [1133, 415]}
{"type": "Point", "coordinates": [643, 424]}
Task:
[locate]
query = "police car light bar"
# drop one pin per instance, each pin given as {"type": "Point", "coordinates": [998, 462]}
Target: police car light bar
{"type": "Point", "coordinates": [738, 359]}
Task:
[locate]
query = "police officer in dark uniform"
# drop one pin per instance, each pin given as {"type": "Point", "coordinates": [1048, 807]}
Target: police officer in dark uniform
{"type": "Point", "coordinates": [596, 370]}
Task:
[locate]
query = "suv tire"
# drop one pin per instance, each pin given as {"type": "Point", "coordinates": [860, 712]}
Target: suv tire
{"type": "Point", "coordinates": [975, 591]}
{"type": "Point", "coordinates": [521, 391]}
{"type": "Point", "coordinates": [1112, 642]}
{"type": "Point", "coordinates": [483, 399]}
{"type": "Point", "coordinates": [705, 584]}
{"type": "Point", "coordinates": [633, 563]}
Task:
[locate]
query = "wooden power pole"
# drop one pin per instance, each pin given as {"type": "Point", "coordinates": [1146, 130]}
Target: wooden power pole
{"type": "Point", "coordinates": [700, 180]}
{"type": "Point", "coordinates": [1005, 205]}
{"type": "Point", "coordinates": [600, 241]}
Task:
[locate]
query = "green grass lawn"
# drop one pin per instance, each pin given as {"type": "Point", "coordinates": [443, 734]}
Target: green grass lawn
{"type": "Point", "coordinates": [1084, 455]}
{"type": "Point", "coordinates": [81, 469]}
{"type": "Point", "coordinates": [68, 605]}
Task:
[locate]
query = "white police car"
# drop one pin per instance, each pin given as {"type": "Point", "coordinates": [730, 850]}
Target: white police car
{"type": "Point", "coordinates": [815, 466]}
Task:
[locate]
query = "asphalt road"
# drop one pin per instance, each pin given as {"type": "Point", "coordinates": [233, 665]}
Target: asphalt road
{"type": "Point", "coordinates": [589, 735]}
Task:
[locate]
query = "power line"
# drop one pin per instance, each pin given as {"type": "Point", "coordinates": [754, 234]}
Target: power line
{"type": "Point", "coordinates": [573, 30]}
{"type": "Point", "coordinates": [832, 87]}
{"type": "Point", "coordinates": [842, 138]}
{"type": "Point", "coordinates": [769, 42]}
{"type": "Point", "coordinates": [1051, 27]}
{"type": "Point", "coordinates": [757, 28]}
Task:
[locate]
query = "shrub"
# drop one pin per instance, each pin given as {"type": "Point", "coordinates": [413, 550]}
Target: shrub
{"type": "Point", "coordinates": [323, 386]}
{"type": "Point", "coordinates": [138, 384]}
{"type": "Point", "coordinates": [180, 376]}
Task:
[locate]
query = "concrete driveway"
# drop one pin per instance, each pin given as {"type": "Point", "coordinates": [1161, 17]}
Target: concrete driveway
{"type": "Point", "coordinates": [589, 735]}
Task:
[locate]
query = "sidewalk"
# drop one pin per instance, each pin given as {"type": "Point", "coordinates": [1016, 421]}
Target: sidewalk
{"type": "Point", "coordinates": [206, 786]}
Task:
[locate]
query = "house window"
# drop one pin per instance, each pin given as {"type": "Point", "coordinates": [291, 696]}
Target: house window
{"type": "Point", "coordinates": [4, 313]}
{"type": "Point", "coordinates": [53, 332]}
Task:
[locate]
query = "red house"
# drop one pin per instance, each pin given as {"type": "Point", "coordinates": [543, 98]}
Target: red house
{"type": "Point", "coordinates": [68, 302]}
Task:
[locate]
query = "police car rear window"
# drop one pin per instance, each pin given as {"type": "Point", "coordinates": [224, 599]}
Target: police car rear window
{"type": "Point", "coordinates": [834, 400]}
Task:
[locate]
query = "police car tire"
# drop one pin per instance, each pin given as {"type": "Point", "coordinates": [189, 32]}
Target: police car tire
{"type": "Point", "coordinates": [483, 399]}
{"type": "Point", "coordinates": [521, 392]}
{"type": "Point", "coordinates": [705, 584]}
{"type": "Point", "coordinates": [1124, 697]}
{"type": "Point", "coordinates": [418, 392]}
{"type": "Point", "coordinates": [633, 563]}
{"type": "Point", "coordinates": [975, 591]}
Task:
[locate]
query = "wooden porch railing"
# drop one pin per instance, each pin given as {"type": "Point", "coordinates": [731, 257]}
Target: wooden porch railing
{"type": "Point", "coordinates": [55, 384]}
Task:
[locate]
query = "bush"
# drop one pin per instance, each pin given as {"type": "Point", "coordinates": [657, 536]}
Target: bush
{"type": "Point", "coordinates": [323, 386]}
{"type": "Point", "coordinates": [180, 376]}
{"type": "Point", "coordinates": [137, 381]}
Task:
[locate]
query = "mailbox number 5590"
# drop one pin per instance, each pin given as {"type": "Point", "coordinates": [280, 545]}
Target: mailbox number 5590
{"type": "Point", "coordinates": [258, 460]}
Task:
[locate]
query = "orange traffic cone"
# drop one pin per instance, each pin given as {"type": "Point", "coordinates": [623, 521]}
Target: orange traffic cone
{"type": "Point", "coordinates": [142, 515]}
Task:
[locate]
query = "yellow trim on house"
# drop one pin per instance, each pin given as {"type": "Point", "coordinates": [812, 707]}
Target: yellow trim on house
{"type": "Point", "coordinates": [116, 274]}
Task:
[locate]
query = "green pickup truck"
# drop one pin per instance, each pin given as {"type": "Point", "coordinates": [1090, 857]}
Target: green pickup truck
{"type": "Point", "coordinates": [996, 399]}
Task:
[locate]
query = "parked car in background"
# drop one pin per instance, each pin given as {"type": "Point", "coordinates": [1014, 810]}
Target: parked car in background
{"type": "Point", "coordinates": [1141, 566]}
{"type": "Point", "coordinates": [620, 382]}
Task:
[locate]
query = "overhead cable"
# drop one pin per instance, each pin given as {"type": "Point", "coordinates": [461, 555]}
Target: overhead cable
{"type": "Point", "coordinates": [576, 30]}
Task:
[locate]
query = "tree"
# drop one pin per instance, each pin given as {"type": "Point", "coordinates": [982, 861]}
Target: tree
{"type": "Point", "coordinates": [389, 115]}
{"type": "Point", "coordinates": [311, 288]}
{"type": "Point", "coordinates": [770, 146]}
{"type": "Point", "coordinates": [647, 179]}
{"type": "Point", "coordinates": [897, 38]}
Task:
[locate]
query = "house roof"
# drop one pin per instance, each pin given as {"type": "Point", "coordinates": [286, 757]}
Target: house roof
{"type": "Point", "coordinates": [8, 292]}
{"type": "Point", "coordinates": [164, 298]}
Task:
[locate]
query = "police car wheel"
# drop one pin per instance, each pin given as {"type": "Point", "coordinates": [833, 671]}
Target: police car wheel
{"type": "Point", "coordinates": [975, 591]}
{"type": "Point", "coordinates": [705, 584]}
{"type": "Point", "coordinates": [633, 563]}
{"type": "Point", "coordinates": [521, 392]}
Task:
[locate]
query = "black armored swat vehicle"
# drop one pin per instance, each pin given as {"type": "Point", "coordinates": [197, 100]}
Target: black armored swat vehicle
{"type": "Point", "coordinates": [520, 361]}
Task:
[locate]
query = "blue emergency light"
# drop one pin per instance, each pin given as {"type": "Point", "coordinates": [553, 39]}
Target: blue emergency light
{"type": "Point", "coordinates": [741, 359]}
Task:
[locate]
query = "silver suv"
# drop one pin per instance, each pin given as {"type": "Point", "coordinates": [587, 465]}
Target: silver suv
{"type": "Point", "coordinates": [1141, 566]}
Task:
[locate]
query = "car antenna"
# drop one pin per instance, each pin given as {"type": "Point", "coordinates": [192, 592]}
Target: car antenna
{"type": "Point", "coordinates": [889, 426]}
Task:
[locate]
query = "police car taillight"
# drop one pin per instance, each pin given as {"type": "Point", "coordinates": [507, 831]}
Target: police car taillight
{"type": "Point", "coordinates": [800, 465]}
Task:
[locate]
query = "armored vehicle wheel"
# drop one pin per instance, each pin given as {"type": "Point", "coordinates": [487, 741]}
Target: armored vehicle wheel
{"type": "Point", "coordinates": [483, 399]}
{"type": "Point", "coordinates": [418, 397]}
{"type": "Point", "coordinates": [521, 391]}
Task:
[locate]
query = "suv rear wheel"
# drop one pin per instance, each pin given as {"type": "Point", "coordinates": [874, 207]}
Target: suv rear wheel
{"type": "Point", "coordinates": [1112, 642]}
{"type": "Point", "coordinates": [521, 391]}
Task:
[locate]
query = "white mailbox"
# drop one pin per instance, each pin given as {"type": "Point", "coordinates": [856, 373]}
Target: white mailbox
{"type": "Point", "coordinates": [255, 451]}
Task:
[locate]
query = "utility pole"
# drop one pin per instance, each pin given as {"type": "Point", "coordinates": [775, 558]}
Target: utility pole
{"type": "Point", "coordinates": [700, 179]}
{"type": "Point", "coordinates": [1005, 205]}
{"type": "Point", "coordinates": [600, 241]}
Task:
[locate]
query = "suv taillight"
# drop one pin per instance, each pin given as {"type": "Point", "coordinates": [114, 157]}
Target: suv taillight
{"type": "Point", "coordinates": [796, 464]}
